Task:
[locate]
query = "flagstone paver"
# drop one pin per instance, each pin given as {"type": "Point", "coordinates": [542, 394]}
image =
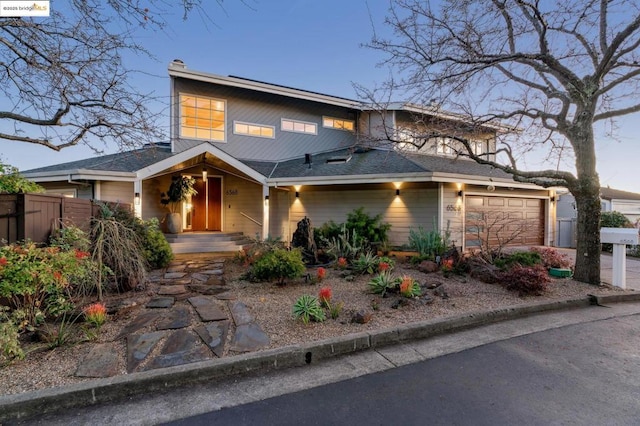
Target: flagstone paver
{"type": "Point", "coordinates": [101, 361]}
{"type": "Point", "coordinates": [207, 308]}
{"type": "Point", "coordinates": [172, 290]}
{"type": "Point", "coordinates": [201, 282]}
{"type": "Point", "coordinates": [248, 338]}
{"type": "Point", "coordinates": [241, 314]}
{"type": "Point", "coordinates": [177, 317]}
{"type": "Point", "coordinates": [139, 346]}
{"type": "Point", "coordinates": [160, 302]}
{"type": "Point", "coordinates": [214, 335]}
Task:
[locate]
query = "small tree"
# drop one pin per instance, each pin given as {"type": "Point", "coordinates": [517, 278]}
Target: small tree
{"type": "Point", "coordinates": [179, 191]}
{"type": "Point", "coordinates": [12, 182]}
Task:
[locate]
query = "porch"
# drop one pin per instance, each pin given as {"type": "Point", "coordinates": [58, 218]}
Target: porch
{"type": "Point", "coordinates": [207, 242]}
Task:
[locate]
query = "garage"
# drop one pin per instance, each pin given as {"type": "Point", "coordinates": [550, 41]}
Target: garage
{"type": "Point", "coordinates": [503, 221]}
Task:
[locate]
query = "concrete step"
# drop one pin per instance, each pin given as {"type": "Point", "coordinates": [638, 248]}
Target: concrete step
{"type": "Point", "coordinates": [205, 236]}
{"type": "Point", "coordinates": [207, 242]}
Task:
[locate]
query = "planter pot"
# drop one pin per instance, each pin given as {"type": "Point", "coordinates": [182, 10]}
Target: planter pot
{"type": "Point", "coordinates": [174, 223]}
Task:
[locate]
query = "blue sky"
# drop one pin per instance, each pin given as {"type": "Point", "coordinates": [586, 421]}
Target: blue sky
{"type": "Point", "coordinates": [313, 45]}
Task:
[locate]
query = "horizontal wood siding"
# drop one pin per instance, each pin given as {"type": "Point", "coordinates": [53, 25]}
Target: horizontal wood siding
{"type": "Point", "coordinates": [266, 109]}
{"type": "Point", "coordinates": [416, 206]}
{"type": "Point", "coordinates": [279, 203]}
{"type": "Point", "coordinates": [453, 213]}
{"type": "Point", "coordinates": [241, 196]}
{"type": "Point", "coordinates": [80, 191]}
{"type": "Point", "coordinates": [117, 192]}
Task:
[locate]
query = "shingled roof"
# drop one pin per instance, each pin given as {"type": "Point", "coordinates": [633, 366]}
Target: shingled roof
{"type": "Point", "coordinates": [128, 161]}
{"type": "Point", "coordinates": [616, 194]}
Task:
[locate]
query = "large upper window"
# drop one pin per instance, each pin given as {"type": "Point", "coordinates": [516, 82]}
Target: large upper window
{"type": "Point", "coordinates": [288, 125]}
{"type": "Point", "coordinates": [249, 129]}
{"type": "Point", "coordinates": [445, 146]}
{"type": "Point", "coordinates": [202, 118]}
{"type": "Point", "coordinates": [338, 123]}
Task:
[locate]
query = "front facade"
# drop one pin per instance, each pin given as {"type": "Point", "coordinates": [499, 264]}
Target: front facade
{"type": "Point", "coordinates": [265, 156]}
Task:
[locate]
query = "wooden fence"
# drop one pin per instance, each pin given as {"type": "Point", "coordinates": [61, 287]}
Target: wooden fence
{"type": "Point", "coordinates": [36, 216]}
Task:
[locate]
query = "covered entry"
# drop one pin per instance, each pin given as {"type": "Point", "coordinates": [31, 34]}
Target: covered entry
{"type": "Point", "coordinates": [505, 221]}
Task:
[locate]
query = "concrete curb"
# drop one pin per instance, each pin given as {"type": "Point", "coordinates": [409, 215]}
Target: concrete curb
{"type": "Point", "coordinates": [21, 406]}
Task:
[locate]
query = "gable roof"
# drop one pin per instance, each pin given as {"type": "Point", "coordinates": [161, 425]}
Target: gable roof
{"type": "Point", "coordinates": [616, 194]}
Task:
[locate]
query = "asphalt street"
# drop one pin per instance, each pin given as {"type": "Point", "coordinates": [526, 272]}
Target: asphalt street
{"type": "Point", "coordinates": [584, 374]}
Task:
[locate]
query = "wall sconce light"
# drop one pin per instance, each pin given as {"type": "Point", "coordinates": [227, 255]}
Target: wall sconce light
{"type": "Point", "coordinates": [297, 194]}
{"type": "Point", "coordinates": [136, 198]}
{"type": "Point", "coordinates": [553, 199]}
{"type": "Point", "coordinates": [398, 191]}
{"type": "Point", "coordinates": [204, 174]}
{"type": "Point", "coordinates": [460, 193]}
{"type": "Point", "coordinates": [266, 198]}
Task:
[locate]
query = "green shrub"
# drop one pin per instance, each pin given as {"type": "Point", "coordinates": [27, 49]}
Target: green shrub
{"type": "Point", "coordinates": [12, 182]}
{"type": "Point", "coordinates": [9, 338]}
{"type": "Point", "coordinates": [308, 308]}
{"type": "Point", "coordinates": [278, 264]}
{"type": "Point", "coordinates": [38, 282]}
{"type": "Point", "coordinates": [429, 244]}
{"type": "Point", "coordinates": [526, 280]}
{"type": "Point", "coordinates": [327, 232]}
{"type": "Point", "coordinates": [157, 250]}
{"type": "Point", "coordinates": [70, 237]}
{"type": "Point", "coordinates": [370, 229]}
{"type": "Point", "coordinates": [347, 245]}
{"type": "Point", "coordinates": [360, 231]}
{"type": "Point", "coordinates": [522, 258]}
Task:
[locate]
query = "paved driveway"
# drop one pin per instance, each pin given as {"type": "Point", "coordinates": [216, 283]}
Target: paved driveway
{"type": "Point", "coordinates": [606, 268]}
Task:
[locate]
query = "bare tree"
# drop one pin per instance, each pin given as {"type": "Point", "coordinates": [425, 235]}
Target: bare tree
{"type": "Point", "coordinates": [551, 70]}
{"type": "Point", "coordinates": [63, 76]}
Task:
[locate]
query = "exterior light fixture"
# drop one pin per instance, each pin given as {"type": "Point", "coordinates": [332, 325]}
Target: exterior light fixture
{"type": "Point", "coordinates": [204, 174]}
{"type": "Point", "coordinates": [398, 191]}
{"type": "Point", "coordinates": [460, 193]}
{"type": "Point", "coordinates": [297, 194]}
{"type": "Point", "coordinates": [552, 199]}
{"type": "Point", "coordinates": [136, 198]}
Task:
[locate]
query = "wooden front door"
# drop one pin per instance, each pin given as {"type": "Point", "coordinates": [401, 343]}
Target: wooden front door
{"type": "Point", "coordinates": [207, 205]}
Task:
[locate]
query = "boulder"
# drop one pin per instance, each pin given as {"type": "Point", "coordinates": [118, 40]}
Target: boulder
{"type": "Point", "coordinates": [428, 266]}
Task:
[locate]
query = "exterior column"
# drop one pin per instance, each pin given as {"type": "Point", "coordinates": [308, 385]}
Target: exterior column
{"type": "Point", "coordinates": [137, 198]}
{"type": "Point", "coordinates": [265, 214]}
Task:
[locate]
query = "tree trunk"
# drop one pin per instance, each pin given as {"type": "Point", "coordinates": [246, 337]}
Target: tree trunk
{"type": "Point", "coordinates": [586, 190]}
{"type": "Point", "coordinates": [587, 267]}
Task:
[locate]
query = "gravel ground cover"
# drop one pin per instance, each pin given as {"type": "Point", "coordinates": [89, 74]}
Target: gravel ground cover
{"type": "Point", "coordinates": [271, 304]}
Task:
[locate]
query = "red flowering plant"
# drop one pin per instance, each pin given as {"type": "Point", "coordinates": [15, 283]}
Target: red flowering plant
{"type": "Point", "coordinates": [37, 282]}
{"type": "Point", "coordinates": [342, 262]}
{"type": "Point", "coordinates": [95, 314]}
{"type": "Point", "coordinates": [324, 296]}
{"type": "Point", "coordinates": [447, 265]}
{"type": "Point", "coordinates": [409, 287]}
{"type": "Point", "coordinates": [321, 273]}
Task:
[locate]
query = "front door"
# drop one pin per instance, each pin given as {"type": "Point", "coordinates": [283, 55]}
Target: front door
{"type": "Point", "coordinates": [206, 211]}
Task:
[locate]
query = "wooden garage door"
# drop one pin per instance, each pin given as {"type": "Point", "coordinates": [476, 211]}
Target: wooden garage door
{"type": "Point", "coordinates": [505, 221]}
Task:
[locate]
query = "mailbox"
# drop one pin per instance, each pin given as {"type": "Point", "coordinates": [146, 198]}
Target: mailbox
{"type": "Point", "coordinates": [619, 236]}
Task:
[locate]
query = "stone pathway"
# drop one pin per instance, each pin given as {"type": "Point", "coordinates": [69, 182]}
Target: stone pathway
{"type": "Point", "coordinates": [190, 319]}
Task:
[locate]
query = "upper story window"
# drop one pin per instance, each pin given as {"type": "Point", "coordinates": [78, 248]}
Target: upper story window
{"type": "Point", "coordinates": [338, 123]}
{"type": "Point", "coordinates": [296, 126]}
{"type": "Point", "coordinates": [250, 129]}
{"type": "Point", "coordinates": [477, 147]}
{"type": "Point", "coordinates": [445, 146]}
{"type": "Point", "coordinates": [202, 118]}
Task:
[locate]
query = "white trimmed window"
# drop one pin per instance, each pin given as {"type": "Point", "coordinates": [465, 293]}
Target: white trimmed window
{"type": "Point", "coordinates": [338, 123]}
{"type": "Point", "coordinates": [445, 146]}
{"type": "Point", "coordinates": [251, 129]}
{"type": "Point", "coordinates": [202, 118]}
{"type": "Point", "coordinates": [296, 126]}
{"type": "Point", "coordinates": [477, 147]}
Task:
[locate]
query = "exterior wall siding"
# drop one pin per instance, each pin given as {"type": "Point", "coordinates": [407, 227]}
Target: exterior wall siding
{"type": "Point", "coordinates": [81, 191]}
{"type": "Point", "coordinates": [266, 109]}
{"type": "Point", "coordinates": [416, 206]}
{"type": "Point", "coordinates": [117, 192]}
{"type": "Point", "coordinates": [240, 199]}
{"type": "Point", "coordinates": [279, 226]}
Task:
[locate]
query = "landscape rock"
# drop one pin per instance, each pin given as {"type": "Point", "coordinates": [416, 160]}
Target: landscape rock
{"type": "Point", "coordinates": [361, 317]}
{"type": "Point", "coordinates": [178, 317]}
{"type": "Point", "coordinates": [441, 292]}
{"type": "Point", "coordinates": [160, 302]}
{"type": "Point", "coordinates": [241, 314]}
{"type": "Point", "coordinates": [427, 266]}
{"type": "Point", "coordinates": [214, 335]}
{"type": "Point", "coordinates": [139, 346]}
{"type": "Point", "coordinates": [101, 361]}
{"type": "Point", "coordinates": [207, 308]}
{"type": "Point", "coordinates": [484, 272]}
{"type": "Point", "coordinates": [171, 290]}
{"type": "Point", "coordinates": [248, 338]}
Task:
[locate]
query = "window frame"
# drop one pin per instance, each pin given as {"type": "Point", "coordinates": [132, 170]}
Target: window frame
{"type": "Point", "coordinates": [343, 120]}
{"type": "Point", "coordinates": [181, 116]}
{"type": "Point", "coordinates": [262, 126]}
{"type": "Point", "coordinates": [294, 121]}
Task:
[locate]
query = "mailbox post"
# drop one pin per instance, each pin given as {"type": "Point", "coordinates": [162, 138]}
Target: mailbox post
{"type": "Point", "coordinates": [619, 237]}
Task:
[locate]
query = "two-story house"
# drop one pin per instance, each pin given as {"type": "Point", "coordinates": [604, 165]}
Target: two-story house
{"type": "Point", "coordinates": [264, 156]}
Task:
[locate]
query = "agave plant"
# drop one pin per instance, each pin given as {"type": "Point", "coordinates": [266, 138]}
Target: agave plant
{"type": "Point", "coordinates": [366, 264]}
{"type": "Point", "coordinates": [308, 308]}
{"type": "Point", "coordinates": [409, 287]}
{"type": "Point", "coordinates": [383, 282]}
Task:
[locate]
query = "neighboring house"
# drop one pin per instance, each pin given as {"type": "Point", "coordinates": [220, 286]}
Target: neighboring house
{"type": "Point", "coordinates": [265, 156]}
{"type": "Point", "coordinates": [627, 203]}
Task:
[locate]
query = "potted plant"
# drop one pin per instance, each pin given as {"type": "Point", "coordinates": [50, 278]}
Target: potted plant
{"type": "Point", "coordinates": [180, 189]}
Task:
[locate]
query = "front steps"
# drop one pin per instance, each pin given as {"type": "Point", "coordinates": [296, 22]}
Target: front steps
{"type": "Point", "coordinates": [207, 242]}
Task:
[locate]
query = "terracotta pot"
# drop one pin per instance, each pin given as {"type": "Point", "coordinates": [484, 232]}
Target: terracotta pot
{"type": "Point", "coordinates": [174, 223]}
